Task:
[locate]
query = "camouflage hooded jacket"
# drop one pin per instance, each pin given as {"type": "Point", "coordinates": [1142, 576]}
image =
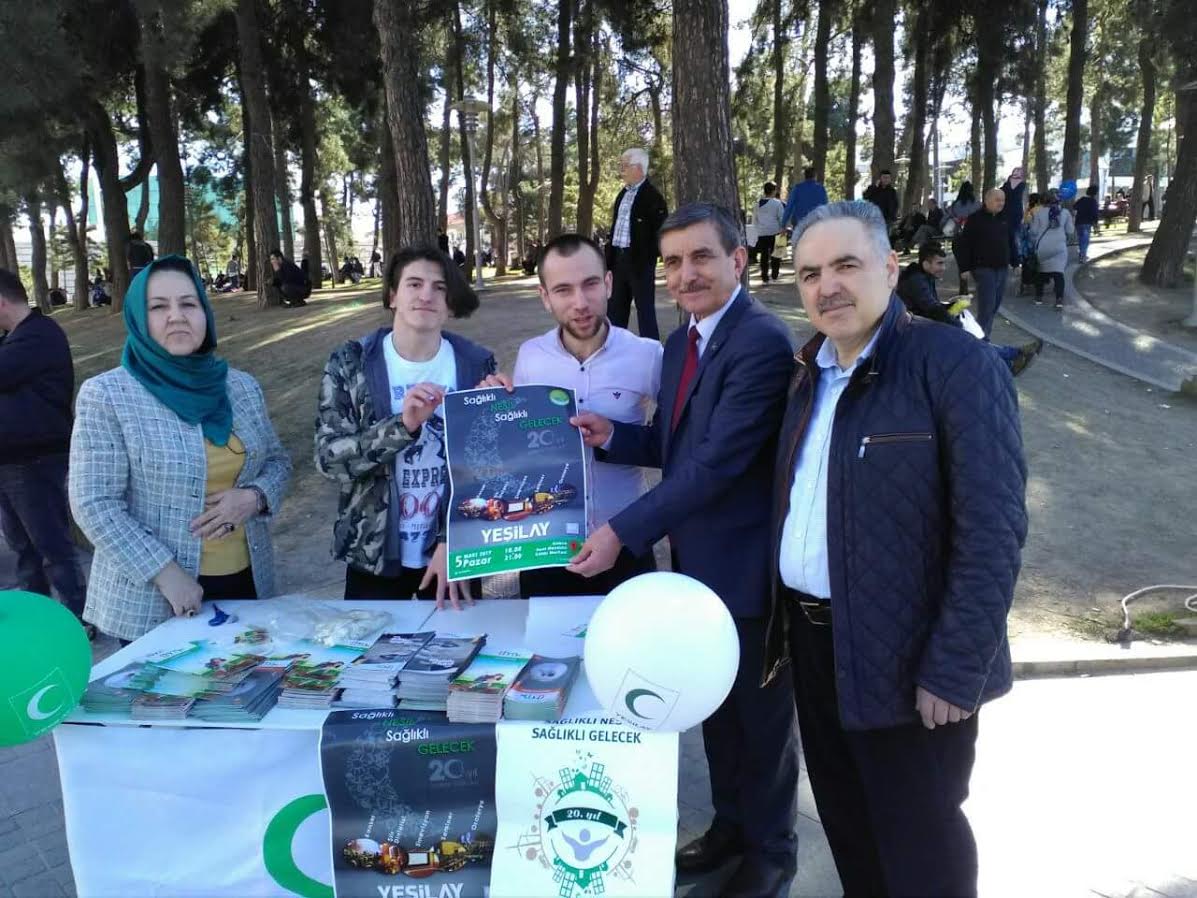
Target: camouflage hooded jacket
{"type": "Point", "coordinates": [357, 439]}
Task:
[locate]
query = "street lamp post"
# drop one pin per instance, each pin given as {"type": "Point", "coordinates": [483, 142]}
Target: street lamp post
{"type": "Point", "coordinates": [469, 109]}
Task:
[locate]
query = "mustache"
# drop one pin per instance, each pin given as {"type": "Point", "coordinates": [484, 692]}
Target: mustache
{"type": "Point", "coordinates": [839, 300]}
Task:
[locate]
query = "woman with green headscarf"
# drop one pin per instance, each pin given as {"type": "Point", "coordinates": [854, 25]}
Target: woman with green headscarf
{"type": "Point", "coordinates": [175, 469]}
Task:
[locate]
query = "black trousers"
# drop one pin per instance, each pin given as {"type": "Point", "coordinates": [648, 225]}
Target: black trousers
{"type": "Point", "coordinates": [557, 581]}
{"type": "Point", "coordinates": [764, 248]}
{"type": "Point", "coordinates": [889, 799]}
{"type": "Point", "coordinates": [752, 753]}
{"type": "Point", "coordinates": [364, 585]}
{"type": "Point", "coordinates": [638, 284]}
{"type": "Point", "coordinates": [1057, 280]}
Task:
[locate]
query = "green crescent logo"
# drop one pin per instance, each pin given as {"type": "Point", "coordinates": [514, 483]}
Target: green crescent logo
{"type": "Point", "coordinates": [33, 709]}
{"type": "Point", "coordinates": [559, 397]}
{"type": "Point", "coordinates": [277, 853]}
{"type": "Point", "coordinates": [635, 694]}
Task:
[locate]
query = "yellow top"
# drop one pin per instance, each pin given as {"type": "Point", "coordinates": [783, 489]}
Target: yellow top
{"type": "Point", "coordinates": [226, 554]}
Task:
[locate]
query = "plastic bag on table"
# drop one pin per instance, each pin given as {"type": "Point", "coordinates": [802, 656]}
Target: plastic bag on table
{"type": "Point", "coordinates": [327, 623]}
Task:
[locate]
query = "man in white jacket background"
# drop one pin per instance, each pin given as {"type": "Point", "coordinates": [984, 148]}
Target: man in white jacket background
{"type": "Point", "coordinates": [769, 211]}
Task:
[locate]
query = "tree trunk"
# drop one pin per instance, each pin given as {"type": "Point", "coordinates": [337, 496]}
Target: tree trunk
{"type": "Point", "coordinates": [37, 261]}
{"type": "Point", "coordinates": [283, 186]}
{"type": "Point", "coordinates": [74, 233]}
{"type": "Point", "coordinates": [596, 84]}
{"type": "Point", "coordinates": [916, 173]}
{"type": "Point", "coordinates": [1028, 115]}
{"type": "Point", "coordinates": [470, 207]}
{"type": "Point", "coordinates": [1071, 162]}
{"type": "Point", "coordinates": [1041, 167]}
{"type": "Point", "coordinates": [308, 163]}
{"type": "Point", "coordinates": [334, 264]}
{"type": "Point", "coordinates": [583, 27]}
{"type": "Point", "coordinates": [397, 33]}
{"type": "Point", "coordinates": [261, 142]}
{"type": "Point", "coordinates": [172, 196]}
{"type": "Point", "coordinates": [50, 254]}
{"type": "Point", "coordinates": [654, 96]}
{"type": "Point", "coordinates": [386, 187]}
{"type": "Point", "coordinates": [822, 90]}
{"type": "Point", "coordinates": [82, 263]}
{"type": "Point", "coordinates": [112, 197]}
{"type": "Point", "coordinates": [703, 161]}
{"type": "Point", "coordinates": [442, 208]}
{"type": "Point", "coordinates": [858, 38]}
{"type": "Point", "coordinates": [1095, 126]}
{"type": "Point", "coordinates": [514, 188]}
{"type": "Point", "coordinates": [975, 172]}
{"type": "Point", "coordinates": [780, 125]}
{"type": "Point", "coordinates": [496, 218]}
{"type": "Point", "coordinates": [143, 208]}
{"type": "Point", "coordinates": [557, 135]}
{"type": "Point", "coordinates": [540, 180]}
{"type": "Point", "coordinates": [8, 257]}
{"type": "Point", "coordinates": [1165, 259]}
{"type": "Point", "coordinates": [885, 16]}
{"type": "Point", "coordinates": [989, 63]}
{"type": "Point", "coordinates": [1143, 145]}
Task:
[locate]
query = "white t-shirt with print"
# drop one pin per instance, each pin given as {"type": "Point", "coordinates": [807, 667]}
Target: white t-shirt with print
{"type": "Point", "coordinates": [421, 470]}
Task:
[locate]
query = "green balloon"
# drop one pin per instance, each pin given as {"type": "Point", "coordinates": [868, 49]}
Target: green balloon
{"type": "Point", "coordinates": [45, 660]}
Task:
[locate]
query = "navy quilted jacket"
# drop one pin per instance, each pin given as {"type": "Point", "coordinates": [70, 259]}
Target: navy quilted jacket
{"type": "Point", "coordinates": [926, 521]}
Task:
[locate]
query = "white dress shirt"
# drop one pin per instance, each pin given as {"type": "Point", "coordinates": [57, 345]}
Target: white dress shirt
{"type": "Point", "coordinates": [803, 558]}
{"type": "Point", "coordinates": [620, 382]}
{"type": "Point", "coordinates": [707, 326]}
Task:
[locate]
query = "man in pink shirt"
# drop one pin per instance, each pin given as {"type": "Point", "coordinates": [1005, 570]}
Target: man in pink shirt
{"type": "Point", "coordinates": [612, 372]}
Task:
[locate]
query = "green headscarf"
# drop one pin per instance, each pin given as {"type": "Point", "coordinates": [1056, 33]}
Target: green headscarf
{"type": "Point", "coordinates": [192, 386]}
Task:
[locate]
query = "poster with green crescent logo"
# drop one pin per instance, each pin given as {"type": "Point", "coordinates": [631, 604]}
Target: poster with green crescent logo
{"type": "Point", "coordinates": [518, 491]}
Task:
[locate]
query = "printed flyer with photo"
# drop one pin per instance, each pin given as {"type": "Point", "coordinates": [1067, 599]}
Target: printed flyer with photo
{"type": "Point", "coordinates": [412, 804]}
{"type": "Point", "coordinates": [517, 477]}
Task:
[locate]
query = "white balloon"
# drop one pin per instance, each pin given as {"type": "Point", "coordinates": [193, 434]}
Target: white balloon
{"type": "Point", "coordinates": [661, 652]}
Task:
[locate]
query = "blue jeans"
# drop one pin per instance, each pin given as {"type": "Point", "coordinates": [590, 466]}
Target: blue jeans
{"type": "Point", "coordinates": [36, 526]}
{"type": "Point", "coordinates": [1082, 239]}
{"type": "Point", "coordinates": [991, 286]}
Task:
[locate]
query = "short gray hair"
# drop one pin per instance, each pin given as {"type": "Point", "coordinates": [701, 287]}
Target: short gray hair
{"type": "Point", "coordinates": [857, 210]}
{"type": "Point", "coordinates": [636, 156]}
{"type": "Point", "coordinates": [696, 213]}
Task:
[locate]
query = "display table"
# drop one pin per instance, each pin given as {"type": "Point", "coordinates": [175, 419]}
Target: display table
{"type": "Point", "coordinates": [186, 807]}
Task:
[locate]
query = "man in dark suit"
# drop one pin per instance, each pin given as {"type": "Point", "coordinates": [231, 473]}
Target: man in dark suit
{"type": "Point", "coordinates": [632, 253]}
{"type": "Point", "coordinates": [723, 387]}
{"type": "Point", "coordinates": [899, 517]}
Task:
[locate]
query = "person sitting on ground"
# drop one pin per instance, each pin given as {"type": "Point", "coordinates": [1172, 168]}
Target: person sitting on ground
{"type": "Point", "coordinates": [917, 288]}
{"type": "Point", "coordinates": [380, 433]}
{"type": "Point", "coordinates": [175, 468]}
{"type": "Point", "coordinates": [908, 227]}
{"type": "Point", "coordinates": [289, 280]}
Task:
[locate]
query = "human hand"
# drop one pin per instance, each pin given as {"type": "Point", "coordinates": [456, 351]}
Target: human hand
{"type": "Point", "coordinates": [596, 429]}
{"type": "Point", "coordinates": [597, 554]}
{"type": "Point", "coordinates": [223, 512]}
{"type": "Point", "coordinates": [497, 381]}
{"type": "Point", "coordinates": [438, 570]}
{"type": "Point", "coordinates": [419, 403]}
{"type": "Point", "coordinates": [179, 589]}
{"type": "Point", "coordinates": [935, 711]}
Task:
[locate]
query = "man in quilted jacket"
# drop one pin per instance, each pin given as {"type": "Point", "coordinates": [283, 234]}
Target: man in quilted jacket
{"type": "Point", "coordinates": [898, 525]}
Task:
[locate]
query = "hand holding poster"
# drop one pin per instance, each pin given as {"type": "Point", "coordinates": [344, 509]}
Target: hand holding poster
{"type": "Point", "coordinates": [517, 472]}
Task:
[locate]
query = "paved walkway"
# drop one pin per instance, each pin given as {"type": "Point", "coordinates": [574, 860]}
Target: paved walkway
{"type": "Point", "coordinates": [1088, 332]}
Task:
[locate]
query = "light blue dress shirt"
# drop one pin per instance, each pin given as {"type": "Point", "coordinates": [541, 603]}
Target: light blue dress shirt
{"type": "Point", "coordinates": [803, 557]}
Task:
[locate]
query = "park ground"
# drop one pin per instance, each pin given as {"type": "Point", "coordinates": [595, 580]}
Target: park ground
{"type": "Point", "coordinates": [1080, 786]}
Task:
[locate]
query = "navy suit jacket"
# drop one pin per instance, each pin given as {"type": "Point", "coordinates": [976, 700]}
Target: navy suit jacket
{"type": "Point", "coordinates": [714, 498]}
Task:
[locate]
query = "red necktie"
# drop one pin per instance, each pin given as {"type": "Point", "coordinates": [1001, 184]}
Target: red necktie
{"type": "Point", "coordinates": [689, 369]}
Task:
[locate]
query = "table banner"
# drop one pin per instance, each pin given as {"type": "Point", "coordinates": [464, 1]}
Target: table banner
{"type": "Point", "coordinates": [194, 812]}
{"type": "Point", "coordinates": [412, 803]}
{"type": "Point", "coordinates": [517, 475]}
{"type": "Point", "coordinates": [586, 807]}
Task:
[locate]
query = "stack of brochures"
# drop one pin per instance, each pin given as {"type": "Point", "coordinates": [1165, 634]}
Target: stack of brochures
{"type": "Point", "coordinates": [115, 693]}
{"type": "Point", "coordinates": [310, 684]}
{"type": "Point", "coordinates": [424, 680]}
{"type": "Point", "coordinates": [370, 681]}
{"type": "Point", "coordinates": [155, 706]}
{"type": "Point", "coordinates": [542, 689]}
{"type": "Point", "coordinates": [249, 702]}
{"type": "Point", "coordinates": [477, 695]}
{"type": "Point", "coordinates": [208, 667]}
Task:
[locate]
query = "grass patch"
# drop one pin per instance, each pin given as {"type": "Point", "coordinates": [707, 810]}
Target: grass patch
{"type": "Point", "coordinates": [1157, 623]}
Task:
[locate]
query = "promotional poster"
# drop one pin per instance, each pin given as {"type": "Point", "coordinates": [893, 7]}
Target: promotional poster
{"type": "Point", "coordinates": [517, 478]}
{"type": "Point", "coordinates": [411, 800]}
{"type": "Point", "coordinates": [586, 807]}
